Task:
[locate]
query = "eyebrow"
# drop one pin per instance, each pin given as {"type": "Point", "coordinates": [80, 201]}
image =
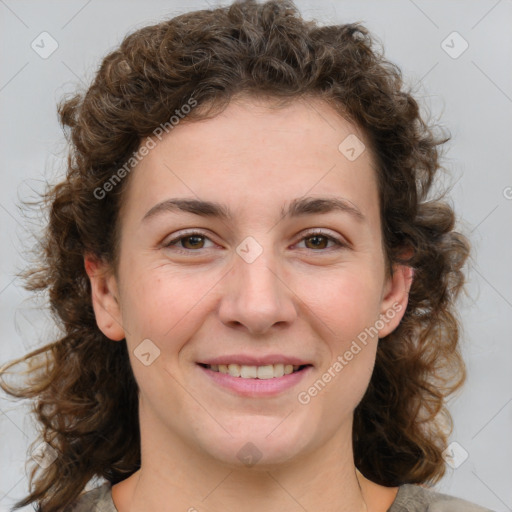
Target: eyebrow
{"type": "Point", "coordinates": [297, 208]}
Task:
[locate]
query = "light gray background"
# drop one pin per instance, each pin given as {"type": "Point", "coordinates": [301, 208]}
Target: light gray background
{"type": "Point", "coordinates": [471, 95]}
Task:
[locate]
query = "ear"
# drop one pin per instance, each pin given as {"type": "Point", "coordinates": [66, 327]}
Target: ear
{"type": "Point", "coordinates": [105, 298]}
{"type": "Point", "coordinates": [395, 298]}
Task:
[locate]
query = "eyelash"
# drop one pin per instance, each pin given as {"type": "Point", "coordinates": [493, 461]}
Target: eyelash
{"type": "Point", "coordinates": [340, 244]}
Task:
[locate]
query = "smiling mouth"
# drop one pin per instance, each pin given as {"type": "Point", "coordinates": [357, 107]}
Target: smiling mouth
{"type": "Point", "coordinates": [270, 371]}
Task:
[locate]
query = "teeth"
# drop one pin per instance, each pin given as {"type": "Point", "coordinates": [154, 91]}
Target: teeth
{"type": "Point", "coordinates": [234, 370]}
{"type": "Point", "coordinates": [269, 371]}
{"type": "Point", "coordinates": [248, 372]}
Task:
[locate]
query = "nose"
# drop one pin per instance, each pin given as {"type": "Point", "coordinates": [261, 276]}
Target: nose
{"type": "Point", "coordinates": [256, 297]}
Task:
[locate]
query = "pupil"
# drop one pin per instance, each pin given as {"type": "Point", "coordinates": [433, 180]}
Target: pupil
{"type": "Point", "coordinates": [317, 238]}
{"type": "Point", "coordinates": [194, 239]}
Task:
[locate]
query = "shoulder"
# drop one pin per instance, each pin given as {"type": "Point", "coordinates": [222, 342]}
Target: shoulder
{"type": "Point", "coordinates": [414, 498]}
{"type": "Point", "coordinates": [98, 499]}
{"type": "Point", "coordinates": [410, 498]}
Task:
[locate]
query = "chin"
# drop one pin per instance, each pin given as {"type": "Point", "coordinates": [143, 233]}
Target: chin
{"type": "Point", "coordinates": [258, 447]}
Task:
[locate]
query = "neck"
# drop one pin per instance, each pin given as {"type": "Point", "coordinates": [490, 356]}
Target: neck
{"type": "Point", "coordinates": [185, 477]}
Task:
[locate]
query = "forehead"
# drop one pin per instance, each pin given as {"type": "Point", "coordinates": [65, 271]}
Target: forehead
{"type": "Point", "coordinates": [255, 157]}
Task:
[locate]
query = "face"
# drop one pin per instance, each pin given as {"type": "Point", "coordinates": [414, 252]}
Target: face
{"type": "Point", "coordinates": [280, 280]}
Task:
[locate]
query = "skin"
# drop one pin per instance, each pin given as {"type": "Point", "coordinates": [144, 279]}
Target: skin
{"type": "Point", "coordinates": [294, 299]}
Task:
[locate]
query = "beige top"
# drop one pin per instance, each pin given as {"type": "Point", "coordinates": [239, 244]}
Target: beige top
{"type": "Point", "coordinates": [410, 498]}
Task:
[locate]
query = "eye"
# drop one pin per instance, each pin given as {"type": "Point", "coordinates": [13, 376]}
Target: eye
{"type": "Point", "coordinates": [187, 243]}
{"type": "Point", "coordinates": [191, 242]}
{"type": "Point", "coordinates": [319, 239]}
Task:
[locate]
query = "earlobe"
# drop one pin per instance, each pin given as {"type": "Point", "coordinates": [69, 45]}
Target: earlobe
{"type": "Point", "coordinates": [396, 298]}
{"type": "Point", "coordinates": [105, 298]}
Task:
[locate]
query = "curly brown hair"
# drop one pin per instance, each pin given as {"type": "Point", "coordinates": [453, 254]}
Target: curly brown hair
{"type": "Point", "coordinates": [83, 389]}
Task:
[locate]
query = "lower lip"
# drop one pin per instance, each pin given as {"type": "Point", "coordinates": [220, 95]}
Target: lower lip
{"type": "Point", "coordinates": [256, 387]}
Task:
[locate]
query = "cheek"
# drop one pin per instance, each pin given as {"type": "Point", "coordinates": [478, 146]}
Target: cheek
{"type": "Point", "coordinates": [349, 301]}
{"type": "Point", "coordinates": [157, 301]}
{"type": "Point", "coordinates": [350, 307]}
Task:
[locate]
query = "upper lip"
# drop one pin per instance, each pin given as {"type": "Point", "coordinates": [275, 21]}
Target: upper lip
{"type": "Point", "coordinates": [248, 360]}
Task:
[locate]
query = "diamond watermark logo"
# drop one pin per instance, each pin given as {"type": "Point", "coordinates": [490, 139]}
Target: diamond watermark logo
{"type": "Point", "coordinates": [352, 147]}
{"type": "Point", "coordinates": [249, 250]}
{"type": "Point", "coordinates": [455, 455]}
{"type": "Point", "coordinates": [147, 352]}
{"type": "Point", "coordinates": [44, 455]}
{"type": "Point", "coordinates": [44, 45]}
{"type": "Point", "coordinates": [454, 45]}
{"type": "Point", "coordinates": [249, 454]}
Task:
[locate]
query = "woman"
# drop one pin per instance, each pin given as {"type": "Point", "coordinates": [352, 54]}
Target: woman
{"type": "Point", "coordinates": [256, 293]}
